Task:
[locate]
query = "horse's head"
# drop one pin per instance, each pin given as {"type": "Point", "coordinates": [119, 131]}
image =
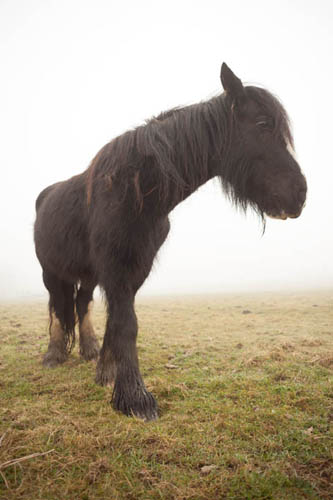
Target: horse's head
{"type": "Point", "coordinates": [263, 171]}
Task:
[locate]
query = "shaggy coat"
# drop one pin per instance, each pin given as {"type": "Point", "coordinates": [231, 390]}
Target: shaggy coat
{"type": "Point", "coordinates": [105, 226]}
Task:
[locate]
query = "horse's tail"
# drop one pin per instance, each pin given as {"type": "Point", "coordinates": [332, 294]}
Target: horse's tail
{"type": "Point", "coordinates": [70, 291]}
{"type": "Point", "coordinates": [66, 315]}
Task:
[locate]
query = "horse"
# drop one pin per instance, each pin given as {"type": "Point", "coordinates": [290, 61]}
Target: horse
{"type": "Point", "coordinates": [105, 226]}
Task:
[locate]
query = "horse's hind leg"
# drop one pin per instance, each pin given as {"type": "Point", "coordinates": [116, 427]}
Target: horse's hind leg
{"type": "Point", "coordinates": [89, 346]}
{"type": "Point", "coordinates": [62, 319]}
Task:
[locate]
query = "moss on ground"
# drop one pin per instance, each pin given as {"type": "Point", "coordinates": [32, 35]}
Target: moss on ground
{"type": "Point", "coordinates": [244, 385]}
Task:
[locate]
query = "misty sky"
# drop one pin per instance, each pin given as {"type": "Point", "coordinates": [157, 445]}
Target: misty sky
{"type": "Point", "coordinates": [76, 73]}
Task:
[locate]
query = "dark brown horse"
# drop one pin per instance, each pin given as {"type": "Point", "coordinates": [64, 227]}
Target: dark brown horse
{"type": "Point", "coordinates": [105, 226]}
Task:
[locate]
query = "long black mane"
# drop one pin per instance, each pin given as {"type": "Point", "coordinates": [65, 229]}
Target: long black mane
{"type": "Point", "coordinates": [175, 149]}
{"type": "Point", "coordinates": [183, 147]}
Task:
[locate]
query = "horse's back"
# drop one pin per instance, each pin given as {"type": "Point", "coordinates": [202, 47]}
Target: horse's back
{"type": "Point", "coordinates": [43, 194]}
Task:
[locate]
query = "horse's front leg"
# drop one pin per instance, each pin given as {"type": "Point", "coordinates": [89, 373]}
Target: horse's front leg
{"type": "Point", "coordinates": [119, 361]}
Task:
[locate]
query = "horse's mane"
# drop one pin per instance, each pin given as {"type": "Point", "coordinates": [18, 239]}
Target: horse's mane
{"type": "Point", "coordinates": [179, 146]}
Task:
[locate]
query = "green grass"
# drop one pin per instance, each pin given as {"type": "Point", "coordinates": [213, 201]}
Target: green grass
{"type": "Point", "coordinates": [248, 393]}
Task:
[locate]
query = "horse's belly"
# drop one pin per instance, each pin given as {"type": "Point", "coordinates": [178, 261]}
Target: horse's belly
{"type": "Point", "coordinates": [63, 251]}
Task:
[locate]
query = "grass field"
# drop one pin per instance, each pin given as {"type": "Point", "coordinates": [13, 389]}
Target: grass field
{"type": "Point", "coordinates": [245, 390]}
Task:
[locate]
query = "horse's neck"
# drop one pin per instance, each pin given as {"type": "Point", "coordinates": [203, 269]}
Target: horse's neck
{"type": "Point", "coordinates": [179, 194]}
{"type": "Point", "coordinates": [196, 154]}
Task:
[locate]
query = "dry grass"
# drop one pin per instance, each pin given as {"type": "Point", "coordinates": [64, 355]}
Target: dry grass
{"type": "Point", "coordinates": [244, 385]}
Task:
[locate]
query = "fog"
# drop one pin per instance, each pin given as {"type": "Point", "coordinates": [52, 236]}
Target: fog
{"type": "Point", "coordinates": [77, 73]}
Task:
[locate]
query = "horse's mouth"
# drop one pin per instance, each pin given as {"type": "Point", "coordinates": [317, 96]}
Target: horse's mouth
{"type": "Point", "coordinates": [283, 215]}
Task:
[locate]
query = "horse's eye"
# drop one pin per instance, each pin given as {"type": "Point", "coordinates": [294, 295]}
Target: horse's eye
{"type": "Point", "coordinates": [264, 123]}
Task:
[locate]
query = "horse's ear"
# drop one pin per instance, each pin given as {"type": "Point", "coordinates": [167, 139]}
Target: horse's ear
{"type": "Point", "coordinates": [231, 84]}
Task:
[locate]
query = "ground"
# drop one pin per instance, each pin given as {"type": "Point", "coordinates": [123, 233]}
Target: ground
{"type": "Point", "coordinates": [244, 386]}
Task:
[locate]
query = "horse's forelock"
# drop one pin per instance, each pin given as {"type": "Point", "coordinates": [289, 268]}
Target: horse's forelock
{"type": "Point", "coordinates": [271, 105]}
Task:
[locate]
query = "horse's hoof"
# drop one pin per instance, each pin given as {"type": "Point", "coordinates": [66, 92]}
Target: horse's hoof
{"type": "Point", "coordinates": [53, 358]}
{"type": "Point", "coordinates": [89, 349]}
{"type": "Point", "coordinates": [146, 417]}
{"type": "Point", "coordinates": [105, 375]}
{"type": "Point", "coordinates": [141, 404]}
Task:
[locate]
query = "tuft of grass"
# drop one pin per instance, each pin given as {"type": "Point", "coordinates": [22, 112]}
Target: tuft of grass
{"type": "Point", "coordinates": [246, 402]}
